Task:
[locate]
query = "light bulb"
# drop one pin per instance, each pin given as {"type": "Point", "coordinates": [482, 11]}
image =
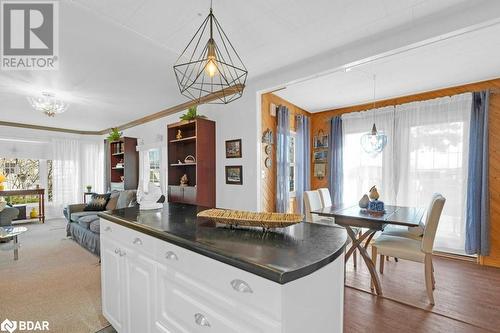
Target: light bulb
{"type": "Point", "coordinates": [211, 68]}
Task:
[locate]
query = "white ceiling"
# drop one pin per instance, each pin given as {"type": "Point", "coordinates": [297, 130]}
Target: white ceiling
{"type": "Point", "coordinates": [463, 59]}
{"type": "Point", "coordinates": [116, 56]}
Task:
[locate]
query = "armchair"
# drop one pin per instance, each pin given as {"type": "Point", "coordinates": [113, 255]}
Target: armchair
{"type": "Point", "coordinates": [7, 215]}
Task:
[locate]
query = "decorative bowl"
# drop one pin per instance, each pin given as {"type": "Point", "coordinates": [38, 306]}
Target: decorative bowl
{"type": "Point", "coordinates": [251, 219]}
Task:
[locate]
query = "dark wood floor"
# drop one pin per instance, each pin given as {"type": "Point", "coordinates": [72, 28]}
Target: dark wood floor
{"type": "Point", "coordinates": [467, 298]}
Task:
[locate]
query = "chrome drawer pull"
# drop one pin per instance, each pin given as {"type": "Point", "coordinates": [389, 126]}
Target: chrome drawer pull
{"type": "Point", "coordinates": [117, 251]}
{"type": "Point", "coordinates": [201, 320]}
{"type": "Point", "coordinates": [241, 286]}
{"type": "Point", "coordinates": [171, 256]}
{"type": "Point", "coordinates": [137, 241]}
{"type": "Point", "coordinates": [122, 253]}
{"type": "Point", "coordinates": [107, 229]}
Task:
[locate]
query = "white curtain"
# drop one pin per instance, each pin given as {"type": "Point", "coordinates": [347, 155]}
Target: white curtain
{"type": "Point", "coordinates": [66, 182]}
{"type": "Point", "coordinates": [75, 164]}
{"type": "Point", "coordinates": [427, 152]}
{"type": "Point", "coordinates": [92, 162]}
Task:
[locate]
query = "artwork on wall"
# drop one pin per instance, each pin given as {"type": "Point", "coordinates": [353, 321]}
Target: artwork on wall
{"type": "Point", "coordinates": [320, 156]}
{"type": "Point", "coordinates": [268, 137]}
{"type": "Point", "coordinates": [234, 174]}
{"type": "Point", "coordinates": [320, 140]}
{"type": "Point", "coordinates": [320, 170]}
{"type": "Point", "coordinates": [233, 148]}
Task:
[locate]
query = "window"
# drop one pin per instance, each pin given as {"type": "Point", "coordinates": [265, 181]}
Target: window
{"type": "Point", "coordinates": [154, 166]}
{"type": "Point", "coordinates": [427, 152]}
{"type": "Point", "coordinates": [291, 160]}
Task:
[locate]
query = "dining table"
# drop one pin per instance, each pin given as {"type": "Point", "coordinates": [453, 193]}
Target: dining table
{"type": "Point", "coordinates": [351, 217]}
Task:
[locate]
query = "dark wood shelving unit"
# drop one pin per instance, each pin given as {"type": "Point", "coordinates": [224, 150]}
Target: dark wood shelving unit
{"type": "Point", "coordinates": [123, 149]}
{"type": "Point", "coordinates": [198, 140]}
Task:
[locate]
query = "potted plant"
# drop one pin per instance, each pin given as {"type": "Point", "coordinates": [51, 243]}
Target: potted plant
{"type": "Point", "coordinates": [191, 114]}
{"type": "Point", "coordinates": [114, 134]}
{"type": "Point", "coordinates": [89, 188]}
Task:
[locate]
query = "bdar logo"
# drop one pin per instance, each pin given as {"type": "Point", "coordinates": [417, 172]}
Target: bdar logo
{"type": "Point", "coordinates": [8, 326]}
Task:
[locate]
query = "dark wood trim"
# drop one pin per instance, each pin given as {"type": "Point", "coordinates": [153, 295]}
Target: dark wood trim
{"type": "Point", "coordinates": [174, 109]}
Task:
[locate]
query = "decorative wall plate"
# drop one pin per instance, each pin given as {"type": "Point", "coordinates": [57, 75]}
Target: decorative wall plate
{"type": "Point", "coordinates": [268, 150]}
{"type": "Point", "coordinates": [268, 162]}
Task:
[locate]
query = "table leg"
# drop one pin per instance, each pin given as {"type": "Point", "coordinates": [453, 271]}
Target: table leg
{"type": "Point", "coordinates": [39, 208]}
{"type": "Point", "coordinates": [356, 244]}
{"type": "Point", "coordinates": [43, 207]}
{"type": "Point", "coordinates": [16, 251]}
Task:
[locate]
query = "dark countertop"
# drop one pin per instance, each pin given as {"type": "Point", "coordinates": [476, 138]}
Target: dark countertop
{"type": "Point", "coordinates": [281, 255]}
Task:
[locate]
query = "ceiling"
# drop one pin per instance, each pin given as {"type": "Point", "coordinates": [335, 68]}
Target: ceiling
{"type": "Point", "coordinates": [463, 59]}
{"type": "Point", "coordinates": [116, 56]}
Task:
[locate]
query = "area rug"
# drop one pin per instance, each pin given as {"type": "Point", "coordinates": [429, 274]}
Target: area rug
{"type": "Point", "coordinates": [54, 280]}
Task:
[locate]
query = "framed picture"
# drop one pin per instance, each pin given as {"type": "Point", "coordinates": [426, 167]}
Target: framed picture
{"type": "Point", "coordinates": [233, 148]}
{"type": "Point", "coordinates": [320, 170]}
{"type": "Point", "coordinates": [320, 156]}
{"type": "Point", "coordinates": [234, 174]}
{"type": "Point", "coordinates": [320, 140]}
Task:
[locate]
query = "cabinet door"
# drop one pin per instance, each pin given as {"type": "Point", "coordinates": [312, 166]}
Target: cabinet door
{"type": "Point", "coordinates": [190, 195]}
{"type": "Point", "coordinates": [112, 283]}
{"type": "Point", "coordinates": [175, 194]}
{"type": "Point", "coordinates": [139, 274]}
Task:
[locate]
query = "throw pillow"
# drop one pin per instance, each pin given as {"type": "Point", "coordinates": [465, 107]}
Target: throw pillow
{"type": "Point", "coordinates": [113, 200]}
{"type": "Point", "coordinates": [98, 202]}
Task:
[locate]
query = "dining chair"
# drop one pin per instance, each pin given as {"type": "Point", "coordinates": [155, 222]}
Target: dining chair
{"type": "Point", "coordinates": [312, 202]}
{"type": "Point", "coordinates": [325, 196]}
{"type": "Point", "coordinates": [414, 249]}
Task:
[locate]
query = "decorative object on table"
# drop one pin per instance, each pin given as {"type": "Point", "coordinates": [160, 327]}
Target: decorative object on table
{"type": "Point", "coordinates": [320, 156]}
{"type": "Point", "coordinates": [268, 162]}
{"type": "Point", "coordinates": [190, 159]}
{"type": "Point", "coordinates": [33, 213]}
{"type": "Point", "coordinates": [37, 186]}
{"type": "Point", "coordinates": [320, 140]}
{"type": "Point", "coordinates": [114, 135]}
{"type": "Point", "coordinates": [364, 202]}
{"type": "Point", "coordinates": [47, 103]}
{"type": "Point", "coordinates": [233, 148]}
{"type": "Point", "coordinates": [192, 114]}
{"type": "Point", "coordinates": [89, 188]}
{"type": "Point", "coordinates": [268, 137]}
{"type": "Point", "coordinates": [234, 174]}
{"type": "Point", "coordinates": [98, 202]}
{"type": "Point", "coordinates": [320, 170]}
{"type": "Point", "coordinates": [268, 150]}
{"type": "Point", "coordinates": [184, 180]}
{"type": "Point", "coordinates": [374, 141]}
{"type": "Point", "coordinates": [251, 219]}
{"type": "Point", "coordinates": [376, 206]}
{"type": "Point", "coordinates": [122, 178]}
{"type": "Point", "coordinates": [178, 136]}
{"type": "Point", "coordinates": [2, 179]}
{"type": "Point", "coordinates": [374, 193]}
{"type": "Point", "coordinates": [211, 66]}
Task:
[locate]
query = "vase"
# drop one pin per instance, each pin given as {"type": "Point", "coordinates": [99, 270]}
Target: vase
{"type": "Point", "coordinates": [363, 203]}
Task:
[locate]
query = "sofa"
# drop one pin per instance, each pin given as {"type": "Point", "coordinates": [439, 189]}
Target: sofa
{"type": "Point", "coordinates": [83, 226]}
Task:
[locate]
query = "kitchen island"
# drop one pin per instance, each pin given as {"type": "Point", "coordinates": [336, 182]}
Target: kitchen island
{"type": "Point", "coordinates": [168, 271]}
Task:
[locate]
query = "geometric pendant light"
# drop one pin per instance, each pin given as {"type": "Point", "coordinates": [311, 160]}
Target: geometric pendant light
{"type": "Point", "coordinates": [209, 64]}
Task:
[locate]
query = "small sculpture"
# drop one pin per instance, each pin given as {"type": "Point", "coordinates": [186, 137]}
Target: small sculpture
{"type": "Point", "coordinates": [374, 193]}
{"type": "Point", "coordinates": [179, 135]}
{"type": "Point", "coordinates": [363, 203]}
{"type": "Point", "coordinates": [184, 180]}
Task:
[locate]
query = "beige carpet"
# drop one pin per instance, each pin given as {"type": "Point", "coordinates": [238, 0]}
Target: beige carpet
{"type": "Point", "coordinates": [54, 279]}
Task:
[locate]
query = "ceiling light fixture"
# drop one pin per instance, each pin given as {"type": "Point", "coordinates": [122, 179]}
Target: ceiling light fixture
{"type": "Point", "coordinates": [374, 141]}
{"type": "Point", "coordinates": [213, 67]}
{"type": "Point", "coordinates": [48, 104]}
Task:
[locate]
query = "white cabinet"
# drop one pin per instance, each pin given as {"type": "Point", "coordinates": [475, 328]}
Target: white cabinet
{"type": "Point", "coordinates": [149, 285]}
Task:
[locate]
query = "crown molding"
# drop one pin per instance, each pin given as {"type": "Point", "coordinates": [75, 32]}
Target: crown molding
{"type": "Point", "coordinates": [161, 114]}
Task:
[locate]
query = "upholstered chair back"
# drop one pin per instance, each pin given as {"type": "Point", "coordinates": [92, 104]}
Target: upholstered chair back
{"type": "Point", "coordinates": [326, 199]}
{"type": "Point", "coordinates": [432, 221]}
{"type": "Point", "coordinates": [312, 201]}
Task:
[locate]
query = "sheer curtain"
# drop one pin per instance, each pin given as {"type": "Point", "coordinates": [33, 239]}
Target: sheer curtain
{"type": "Point", "coordinates": [427, 152]}
{"type": "Point", "coordinates": [282, 162]}
{"type": "Point", "coordinates": [92, 162]}
{"type": "Point", "coordinates": [432, 139]}
{"type": "Point", "coordinates": [361, 170]}
{"type": "Point", "coordinates": [66, 183]}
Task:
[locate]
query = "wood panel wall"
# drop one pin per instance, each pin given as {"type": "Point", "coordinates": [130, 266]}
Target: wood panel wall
{"type": "Point", "coordinates": [321, 120]}
{"type": "Point", "coordinates": [268, 190]}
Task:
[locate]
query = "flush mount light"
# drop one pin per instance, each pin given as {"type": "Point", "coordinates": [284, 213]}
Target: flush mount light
{"type": "Point", "coordinates": [211, 67]}
{"type": "Point", "coordinates": [48, 104]}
